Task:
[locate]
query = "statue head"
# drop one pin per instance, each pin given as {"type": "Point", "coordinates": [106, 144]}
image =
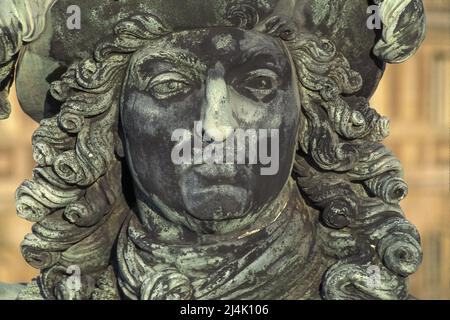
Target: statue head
{"type": "Point", "coordinates": [207, 84]}
{"type": "Point", "coordinates": [136, 103]}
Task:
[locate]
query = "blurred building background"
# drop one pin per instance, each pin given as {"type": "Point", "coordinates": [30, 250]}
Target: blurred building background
{"type": "Point", "coordinates": [414, 95]}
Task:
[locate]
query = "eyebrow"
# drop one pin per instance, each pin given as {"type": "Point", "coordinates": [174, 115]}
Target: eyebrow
{"type": "Point", "coordinates": [185, 60]}
{"type": "Point", "coordinates": [266, 56]}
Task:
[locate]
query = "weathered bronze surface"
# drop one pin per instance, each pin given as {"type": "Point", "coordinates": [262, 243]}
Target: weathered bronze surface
{"type": "Point", "coordinates": [108, 200]}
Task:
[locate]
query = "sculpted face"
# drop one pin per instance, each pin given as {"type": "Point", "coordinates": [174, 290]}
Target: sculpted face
{"type": "Point", "coordinates": [228, 79]}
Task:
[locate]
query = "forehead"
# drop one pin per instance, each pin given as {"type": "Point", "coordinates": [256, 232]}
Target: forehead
{"type": "Point", "coordinates": [209, 46]}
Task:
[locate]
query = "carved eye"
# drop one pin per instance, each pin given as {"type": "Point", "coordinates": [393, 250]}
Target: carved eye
{"type": "Point", "coordinates": [260, 83]}
{"type": "Point", "coordinates": [168, 85]}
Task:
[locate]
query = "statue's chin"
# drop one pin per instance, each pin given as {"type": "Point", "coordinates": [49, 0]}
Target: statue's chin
{"type": "Point", "coordinates": [217, 202]}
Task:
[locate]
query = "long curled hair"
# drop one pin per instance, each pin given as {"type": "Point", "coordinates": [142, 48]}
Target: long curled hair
{"type": "Point", "coordinates": [352, 179]}
{"type": "Point", "coordinates": [76, 194]}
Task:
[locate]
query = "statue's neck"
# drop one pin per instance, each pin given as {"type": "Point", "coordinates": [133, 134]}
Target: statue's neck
{"type": "Point", "coordinates": [171, 226]}
{"type": "Point", "coordinates": [282, 239]}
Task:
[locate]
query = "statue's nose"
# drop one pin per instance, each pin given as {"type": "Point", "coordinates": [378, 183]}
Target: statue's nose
{"type": "Point", "coordinates": [218, 120]}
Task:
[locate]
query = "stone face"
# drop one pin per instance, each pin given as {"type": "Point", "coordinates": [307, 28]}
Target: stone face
{"type": "Point", "coordinates": [118, 218]}
{"type": "Point", "coordinates": [229, 78]}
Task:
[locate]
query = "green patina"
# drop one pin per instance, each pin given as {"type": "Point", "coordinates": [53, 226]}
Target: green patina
{"type": "Point", "coordinates": [331, 208]}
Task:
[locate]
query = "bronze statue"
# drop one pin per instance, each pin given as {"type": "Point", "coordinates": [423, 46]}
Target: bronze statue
{"type": "Point", "coordinates": [109, 200]}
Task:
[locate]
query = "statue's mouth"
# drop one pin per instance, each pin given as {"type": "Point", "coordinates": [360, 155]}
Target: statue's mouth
{"type": "Point", "coordinates": [214, 191]}
{"type": "Point", "coordinates": [223, 172]}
